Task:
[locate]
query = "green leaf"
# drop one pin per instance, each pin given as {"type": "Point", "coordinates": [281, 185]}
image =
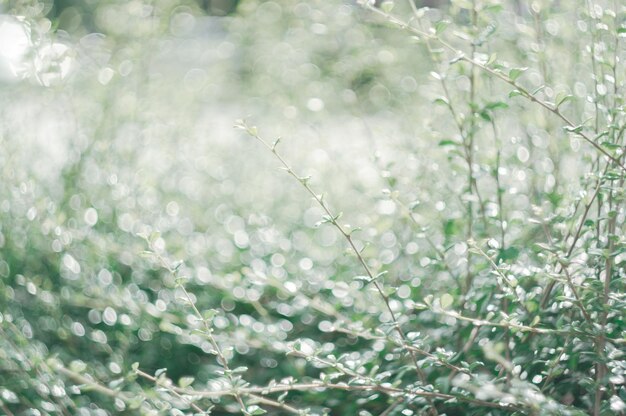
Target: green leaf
{"type": "Point", "coordinates": [514, 93]}
{"type": "Point", "coordinates": [446, 300]}
{"type": "Point", "coordinates": [495, 105]}
{"type": "Point", "coordinates": [209, 314]}
{"type": "Point", "coordinates": [327, 219]}
{"type": "Point", "coordinates": [509, 253]}
{"type": "Point", "coordinates": [544, 247]}
{"type": "Point", "coordinates": [282, 396]}
{"type": "Point", "coordinates": [448, 142]}
{"type": "Point", "coordinates": [573, 129]}
{"type": "Point", "coordinates": [475, 365]}
{"type": "Point", "coordinates": [493, 8]}
{"type": "Point", "coordinates": [155, 235]}
{"type": "Point", "coordinates": [428, 300]}
{"type": "Point", "coordinates": [390, 291]}
{"type": "Point", "coordinates": [611, 146]}
{"type": "Point", "coordinates": [515, 73]}
{"type": "Point", "coordinates": [612, 175]}
{"type": "Point", "coordinates": [185, 382]}
{"type": "Point", "coordinates": [450, 228]}
{"type": "Point", "coordinates": [485, 115]}
{"type": "Point", "coordinates": [539, 88]}
{"type": "Point", "coordinates": [78, 366]}
{"type": "Point", "coordinates": [531, 306]}
{"type": "Point", "coordinates": [456, 59]}
{"type": "Point", "coordinates": [563, 98]}
{"type": "Point", "coordinates": [387, 6]}
{"type": "Point", "coordinates": [441, 26]}
{"type": "Point", "coordinates": [135, 402]}
{"type": "Point", "coordinates": [255, 410]}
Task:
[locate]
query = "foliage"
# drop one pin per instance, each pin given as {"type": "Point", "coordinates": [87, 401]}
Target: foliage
{"type": "Point", "coordinates": [449, 239]}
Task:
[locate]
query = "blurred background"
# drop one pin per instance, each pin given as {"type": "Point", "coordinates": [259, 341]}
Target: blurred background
{"type": "Point", "coordinates": [117, 120]}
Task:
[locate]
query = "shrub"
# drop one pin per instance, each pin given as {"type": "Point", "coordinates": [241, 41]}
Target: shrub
{"type": "Point", "coordinates": [463, 252]}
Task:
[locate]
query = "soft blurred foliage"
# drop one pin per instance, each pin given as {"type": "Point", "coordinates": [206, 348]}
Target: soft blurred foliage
{"type": "Point", "coordinates": [127, 200]}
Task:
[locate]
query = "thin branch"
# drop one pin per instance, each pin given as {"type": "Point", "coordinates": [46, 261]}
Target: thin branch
{"type": "Point", "coordinates": [568, 276]}
{"type": "Point", "coordinates": [6, 409]}
{"type": "Point", "coordinates": [90, 383]}
{"type": "Point", "coordinates": [159, 383]}
{"type": "Point", "coordinates": [548, 290]}
{"type": "Point", "coordinates": [275, 403]}
{"type": "Point", "coordinates": [386, 389]}
{"type": "Point", "coordinates": [392, 406]}
{"type": "Point", "coordinates": [208, 331]}
{"type": "Point", "coordinates": [505, 324]}
{"type": "Point", "coordinates": [332, 218]}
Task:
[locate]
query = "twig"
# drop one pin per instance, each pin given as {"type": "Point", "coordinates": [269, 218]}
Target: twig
{"type": "Point", "coordinates": [6, 409]}
{"type": "Point", "coordinates": [90, 383]}
{"type": "Point", "coordinates": [386, 389]}
{"type": "Point", "coordinates": [208, 331]}
{"type": "Point", "coordinates": [275, 403]}
{"type": "Point", "coordinates": [333, 219]}
{"type": "Point", "coordinates": [169, 388]}
{"type": "Point", "coordinates": [392, 406]}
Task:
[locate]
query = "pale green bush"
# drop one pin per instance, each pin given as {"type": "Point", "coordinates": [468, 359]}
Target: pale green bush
{"type": "Point", "coordinates": [152, 261]}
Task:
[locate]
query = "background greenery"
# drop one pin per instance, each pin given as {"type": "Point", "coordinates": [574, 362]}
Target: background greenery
{"type": "Point", "coordinates": [128, 203]}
